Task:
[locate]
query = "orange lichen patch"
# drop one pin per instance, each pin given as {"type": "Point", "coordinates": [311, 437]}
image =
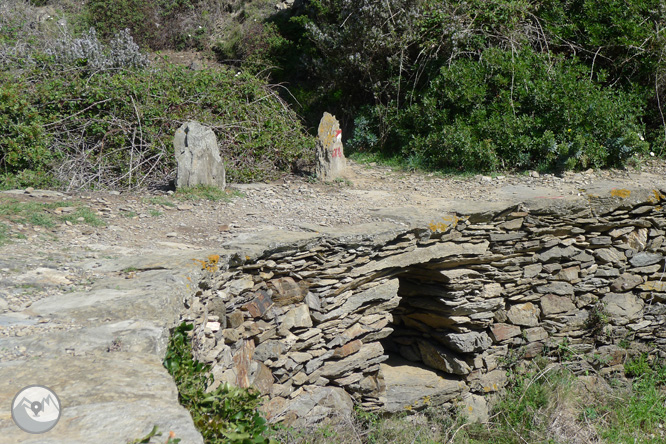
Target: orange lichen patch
{"type": "Point", "coordinates": [447, 222]}
{"type": "Point", "coordinates": [210, 264]}
{"type": "Point", "coordinates": [622, 193]}
{"type": "Point", "coordinates": [488, 389]}
{"type": "Point", "coordinates": [656, 196]}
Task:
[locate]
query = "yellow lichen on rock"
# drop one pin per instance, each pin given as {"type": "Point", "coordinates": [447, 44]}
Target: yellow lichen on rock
{"type": "Point", "coordinates": [210, 264]}
{"type": "Point", "coordinates": [657, 196]}
{"type": "Point", "coordinates": [447, 222]}
{"type": "Point", "coordinates": [622, 193]}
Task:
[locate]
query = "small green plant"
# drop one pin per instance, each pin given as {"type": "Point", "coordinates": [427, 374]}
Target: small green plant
{"type": "Point", "coordinates": [155, 213]}
{"type": "Point", "coordinates": [597, 321]}
{"type": "Point", "coordinates": [148, 439]}
{"type": "Point", "coordinates": [211, 193]}
{"type": "Point", "coordinates": [639, 416]}
{"type": "Point", "coordinates": [4, 235]}
{"type": "Point", "coordinates": [129, 214]}
{"type": "Point", "coordinates": [30, 213]}
{"type": "Point", "coordinates": [160, 200]}
{"type": "Point", "coordinates": [342, 181]}
{"type": "Point", "coordinates": [84, 215]}
{"type": "Point", "coordinates": [42, 214]}
{"type": "Point", "coordinates": [564, 352]}
{"type": "Point", "coordinates": [638, 367]}
{"type": "Point", "coordinates": [224, 415]}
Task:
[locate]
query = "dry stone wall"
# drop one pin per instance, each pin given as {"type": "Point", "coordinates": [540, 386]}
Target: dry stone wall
{"type": "Point", "coordinates": [311, 324]}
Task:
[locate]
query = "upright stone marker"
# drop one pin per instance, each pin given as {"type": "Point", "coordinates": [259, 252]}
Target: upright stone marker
{"type": "Point", "coordinates": [198, 157]}
{"type": "Point", "coordinates": [331, 160]}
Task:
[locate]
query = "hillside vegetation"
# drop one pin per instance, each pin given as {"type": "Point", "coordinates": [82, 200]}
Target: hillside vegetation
{"type": "Point", "coordinates": [448, 85]}
{"type": "Point", "coordinates": [500, 84]}
{"type": "Point", "coordinates": [78, 110]}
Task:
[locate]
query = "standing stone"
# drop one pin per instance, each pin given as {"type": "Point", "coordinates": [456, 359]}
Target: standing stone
{"type": "Point", "coordinates": [331, 160]}
{"type": "Point", "coordinates": [198, 157]}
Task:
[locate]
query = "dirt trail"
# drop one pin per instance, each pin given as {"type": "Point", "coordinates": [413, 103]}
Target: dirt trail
{"type": "Point", "coordinates": [148, 219]}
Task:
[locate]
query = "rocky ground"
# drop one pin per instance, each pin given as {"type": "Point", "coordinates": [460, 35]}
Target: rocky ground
{"type": "Point", "coordinates": [36, 261]}
{"type": "Point", "coordinates": [40, 266]}
{"type": "Point", "coordinates": [150, 218]}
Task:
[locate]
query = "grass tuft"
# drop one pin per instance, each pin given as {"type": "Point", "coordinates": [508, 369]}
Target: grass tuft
{"type": "Point", "coordinates": [211, 193]}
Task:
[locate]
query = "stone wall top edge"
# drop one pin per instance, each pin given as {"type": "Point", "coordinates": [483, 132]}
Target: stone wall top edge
{"type": "Point", "coordinates": [401, 220]}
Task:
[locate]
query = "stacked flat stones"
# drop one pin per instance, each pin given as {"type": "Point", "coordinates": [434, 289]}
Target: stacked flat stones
{"type": "Point", "coordinates": [459, 295]}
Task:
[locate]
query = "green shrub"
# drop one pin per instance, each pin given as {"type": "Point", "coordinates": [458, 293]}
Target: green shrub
{"type": "Point", "coordinates": [519, 110]}
{"type": "Point", "coordinates": [24, 143]}
{"type": "Point", "coordinates": [363, 137]}
{"type": "Point", "coordinates": [476, 84]}
{"type": "Point", "coordinates": [160, 24]}
{"type": "Point", "coordinates": [224, 415]}
{"type": "Point", "coordinates": [640, 415]}
{"type": "Point", "coordinates": [255, 46]}
{"type": "Point", "coordinates": [111, 16]}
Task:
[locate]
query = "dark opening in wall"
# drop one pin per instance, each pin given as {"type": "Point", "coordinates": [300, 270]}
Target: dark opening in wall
{"type": "Point", "coordinates": [440, 329]}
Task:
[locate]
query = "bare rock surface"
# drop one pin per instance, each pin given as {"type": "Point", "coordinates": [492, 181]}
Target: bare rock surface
{"type": "Point", "coordinates": [410, 386]}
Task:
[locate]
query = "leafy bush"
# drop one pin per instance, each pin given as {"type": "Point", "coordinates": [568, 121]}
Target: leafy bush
{"type": "Point", "coordinates": [224, 415]}
{"type": "Point", "coordinates": [521, 110]}
{"type": "Point", "coordinates": [111, 16]}
{"type": "Point", "coordinates": [256, 46]}
{"type": "Point", "coordinates": [363, 137]}
{"type": "Point", "coordinates": [24, 144]}
{"type": "Point", "coordinates": [160, 24]}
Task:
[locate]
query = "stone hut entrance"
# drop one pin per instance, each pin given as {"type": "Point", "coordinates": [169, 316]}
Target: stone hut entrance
{"type": "Point", "coordinates": [440, 333]}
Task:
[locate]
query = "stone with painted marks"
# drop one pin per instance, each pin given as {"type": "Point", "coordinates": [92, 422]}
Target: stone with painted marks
{"type": "Point", "coordinates": [330, 158]}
